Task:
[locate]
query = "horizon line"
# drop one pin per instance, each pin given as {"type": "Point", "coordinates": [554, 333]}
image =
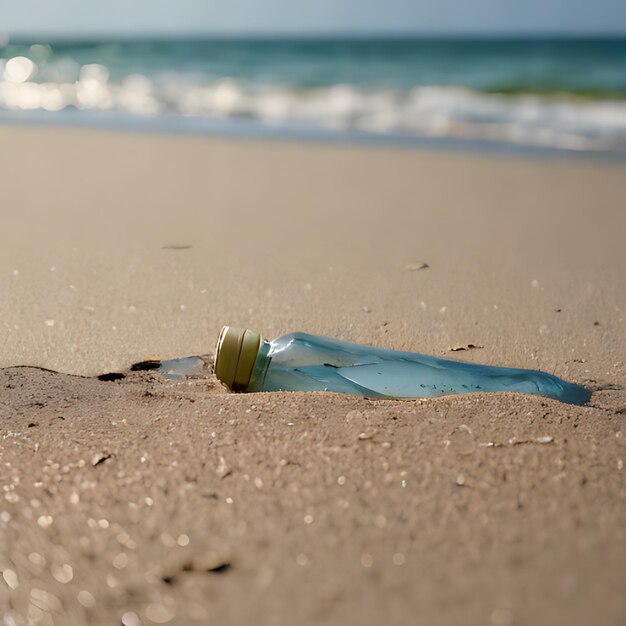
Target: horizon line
{"type": "Point", "coordinates": [7, 36]}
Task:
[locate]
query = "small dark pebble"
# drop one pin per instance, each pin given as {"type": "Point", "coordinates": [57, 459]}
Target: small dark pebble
{"type": "Point", "coordinates": [172, 579]}
{"type": "Point", "coordinates": [98, 459]}
{"type": "Point", "coordinates": [470, 346]}
{"type": "Point", "coordinates": [222, 568]}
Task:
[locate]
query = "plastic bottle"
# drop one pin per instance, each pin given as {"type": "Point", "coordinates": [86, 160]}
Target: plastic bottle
{"type": "Point", "coordinates": [245, 362]}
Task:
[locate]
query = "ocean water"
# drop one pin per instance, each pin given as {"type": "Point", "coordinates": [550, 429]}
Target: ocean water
{"type": "Point", "coordinates": [560, 94]}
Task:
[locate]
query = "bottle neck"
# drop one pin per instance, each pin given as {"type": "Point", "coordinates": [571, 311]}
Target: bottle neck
{"type": "Point", "coordinates": [259, 370]}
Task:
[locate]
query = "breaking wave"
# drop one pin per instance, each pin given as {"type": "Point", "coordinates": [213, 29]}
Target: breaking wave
{"type": "Point", "coordinates": [560, 121]}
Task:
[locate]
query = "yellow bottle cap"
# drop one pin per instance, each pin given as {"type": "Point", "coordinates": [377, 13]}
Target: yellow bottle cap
{"type": "Point", "coordinates": [235, 355]}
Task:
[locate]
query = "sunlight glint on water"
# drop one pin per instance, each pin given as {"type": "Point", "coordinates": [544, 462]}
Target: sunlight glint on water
{"type": "Point", "coordinates": [567, 94]}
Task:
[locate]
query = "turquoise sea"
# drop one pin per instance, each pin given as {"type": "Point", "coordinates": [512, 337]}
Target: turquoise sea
{"type": "Point", "coordinates": [557, 94]}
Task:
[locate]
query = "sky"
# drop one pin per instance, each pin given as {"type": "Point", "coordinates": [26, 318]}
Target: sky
{"type": "Point", "coordinates": [225, 17]}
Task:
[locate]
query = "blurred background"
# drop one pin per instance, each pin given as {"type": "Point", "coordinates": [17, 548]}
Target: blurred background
{"type": "Point", "coordinates": [534, 74]}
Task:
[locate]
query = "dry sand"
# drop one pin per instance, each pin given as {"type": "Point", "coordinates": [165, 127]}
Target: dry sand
{"type": "Point", "coordinates": [188, 505]}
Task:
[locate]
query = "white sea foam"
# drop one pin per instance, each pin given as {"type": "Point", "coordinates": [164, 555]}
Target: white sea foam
{"type": "Point", "coordinates": [431, 111]}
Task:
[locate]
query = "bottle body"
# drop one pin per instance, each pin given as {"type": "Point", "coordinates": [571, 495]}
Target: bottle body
{"type": "Point", "coordinates": [303, 362]}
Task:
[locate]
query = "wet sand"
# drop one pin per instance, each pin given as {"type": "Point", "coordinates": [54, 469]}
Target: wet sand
{"type": "Point", "coordinates": [187, 505]}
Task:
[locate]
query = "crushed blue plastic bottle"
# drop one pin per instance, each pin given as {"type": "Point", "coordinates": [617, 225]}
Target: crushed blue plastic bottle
{"type": "Point", "coordinates": [303, 362]}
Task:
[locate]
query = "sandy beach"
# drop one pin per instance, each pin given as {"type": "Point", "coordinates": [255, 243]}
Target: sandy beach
{"type": "Point", "coordinates": [177, 502]}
